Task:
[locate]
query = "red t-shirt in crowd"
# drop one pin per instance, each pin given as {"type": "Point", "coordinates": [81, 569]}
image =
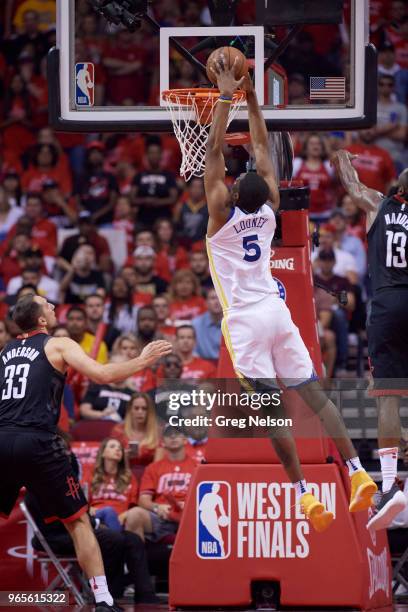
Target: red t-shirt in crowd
{"type": "Point", "coordinates": [197, 451]}
{"type": "Point", "coordinates": [143, 380]}
{"type": "Point", "coordinates": [374, 166]}
{"type": "Point", "coordinates": [167, 331]}
{"type": "Point", "coordinates": [167, 480]}
{"type": "Point", "coordinates": [379, 12]}
{"type": "Point", "coordinates": [186, 310]}
{"type": "Point", "coordinates": [107, 495]}
{"type": "Point", "coordinates": [167, 264]}
{"type": "Point", "coordinates": [393, 35]}
{"type": "Point", "coordinates": [10, 266]}
{"type": "Point", "coordinates": [33, 179]}
{"type": "Point", "coordinates": [142, 299]}
{"type": "Point", "coordinates": [401, 53]}
{"type": "Point", "coordinates": [145, 454]}
{"type": "Point", "coordinates": [125, 86]}
{"type": "Point", "coordinates": [44, 234]}
{"type": "Point", "coordinates": [200, 369]}
{"type": "Point", "coordinates": [321, 183]}
{"type": "Point", "coordinates": [17, 137]}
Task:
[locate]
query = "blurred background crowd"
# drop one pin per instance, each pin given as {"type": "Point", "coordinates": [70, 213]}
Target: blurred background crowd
{"type": "Point", "coordinates": [104, 227]}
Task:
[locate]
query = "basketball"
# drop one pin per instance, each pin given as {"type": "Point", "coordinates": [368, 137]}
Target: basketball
{"type": "Point", "coordinates": [230, 53]}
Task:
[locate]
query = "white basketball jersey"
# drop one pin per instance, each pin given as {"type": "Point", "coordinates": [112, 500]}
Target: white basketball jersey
{"type": "Point", "coordinates": [239, 255]}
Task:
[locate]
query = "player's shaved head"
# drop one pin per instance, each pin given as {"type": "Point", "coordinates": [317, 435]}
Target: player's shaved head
{"type": "Point", "coordinates": [250, 192]}
{"type": "Point", "coordinates": [403, 180]}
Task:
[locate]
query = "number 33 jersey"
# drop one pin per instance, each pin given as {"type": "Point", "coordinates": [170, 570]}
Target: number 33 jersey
{"type": "Point", "coordinates": [30, 388]}
{"type": "Point", "coordinates": [239, 255]}
{"type": "Point", "coordinates": [388, 245]}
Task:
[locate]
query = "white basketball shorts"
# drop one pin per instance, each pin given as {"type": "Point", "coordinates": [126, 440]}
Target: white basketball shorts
{"type": "Point", "coordinates": [264, 343]}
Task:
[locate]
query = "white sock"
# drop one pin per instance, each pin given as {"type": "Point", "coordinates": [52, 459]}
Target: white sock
{"type": "Point", "coordinates": [300, 488]}
{"type": "Point", "coordinates": [354, 465]}
{"type": "Point", "coordinates": [389, 460]}
{"type": "Point", "coordinates": [100, 589]}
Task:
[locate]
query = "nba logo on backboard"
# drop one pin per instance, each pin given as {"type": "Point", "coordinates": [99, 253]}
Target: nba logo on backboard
{"type": "Point", "coordinates": [84, 84]}
{"type": "Point", "coordinates": [213, 520]}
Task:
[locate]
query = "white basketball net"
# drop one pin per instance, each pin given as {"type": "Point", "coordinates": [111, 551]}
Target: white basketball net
{"type": "Point", "coordinates": [192, 114]}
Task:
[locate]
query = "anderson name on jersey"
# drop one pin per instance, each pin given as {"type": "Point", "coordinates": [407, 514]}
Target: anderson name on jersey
{"type": "Point", "coordinates": [239, 255]}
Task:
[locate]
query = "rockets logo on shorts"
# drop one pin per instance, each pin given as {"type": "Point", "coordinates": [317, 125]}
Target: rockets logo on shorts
{"type": "Point", "coordinates": [281, 287]}
{"type": "Point", "coordinates": [84, 84]}
{"type": "Point", "coordinates": [213, 520]}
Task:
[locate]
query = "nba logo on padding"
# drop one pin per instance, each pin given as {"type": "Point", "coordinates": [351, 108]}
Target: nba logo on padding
{"type": "Point", "coordinates": [213, 520]}
{"type": "Point", "coordinates": [281, 288]}
{"type": "Point", "coordinates": [85, 84]}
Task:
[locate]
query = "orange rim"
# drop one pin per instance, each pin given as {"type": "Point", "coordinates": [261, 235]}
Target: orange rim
{"type": "Point", "coordinates": [199, 95]}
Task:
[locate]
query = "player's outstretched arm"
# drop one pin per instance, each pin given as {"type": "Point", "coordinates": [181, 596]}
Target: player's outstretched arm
{"type": "Point", "coordinates": [214, 177]}
{"type": "Point", "coordinates": [65, 351]}
{"type": "Point", "coordinates": [365, 198]}
{"type": "Point", "coordinates": [259, 144]}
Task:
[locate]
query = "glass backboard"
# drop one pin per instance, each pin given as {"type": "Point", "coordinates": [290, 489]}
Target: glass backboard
{"type": "Point", "coordinates": [313, 69]}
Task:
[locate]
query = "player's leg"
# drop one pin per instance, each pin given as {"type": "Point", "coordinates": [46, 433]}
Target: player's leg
{"type": "Point", "coordinates": [387, 347]}
{"type": "Point", "coordinates": [250, 353]}
{"type": "Point", "coordinates": [86, 547]}
{"type": "Point", "coordinates": [295, 368]}
{"type": "Point", "coordinates": [10, 481]}
{"type": "Point", "coordinates": [51, 479]}
{"type": "Point", "coordinates": [250, 350]}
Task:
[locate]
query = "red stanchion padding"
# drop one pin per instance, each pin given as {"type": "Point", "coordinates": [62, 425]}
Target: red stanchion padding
{"type": "Point", "coordinates": [240, 525]}
{"type": "Point", "coordinates": [248, 450]}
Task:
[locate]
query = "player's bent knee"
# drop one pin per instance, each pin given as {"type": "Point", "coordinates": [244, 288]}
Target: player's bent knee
{"type": "Point", "coordinates": [80, 522]}
{"type": "Point", "coordinates": [314, 396]}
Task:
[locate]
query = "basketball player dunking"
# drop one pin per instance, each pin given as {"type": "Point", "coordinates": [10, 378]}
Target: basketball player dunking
{"type": "Point", "coordinates": [32, 378]}
{"type": "Point", "coordinates": [263, 342]}
{"type": "Point", "coordinates": [387, 328]}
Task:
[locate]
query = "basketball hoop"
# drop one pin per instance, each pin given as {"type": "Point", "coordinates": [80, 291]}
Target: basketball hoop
{"type": "Point", "coordinates": [192, 113]}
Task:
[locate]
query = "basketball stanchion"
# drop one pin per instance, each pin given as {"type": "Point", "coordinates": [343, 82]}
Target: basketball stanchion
{"type": "Point", "coordinates": [264, 544]}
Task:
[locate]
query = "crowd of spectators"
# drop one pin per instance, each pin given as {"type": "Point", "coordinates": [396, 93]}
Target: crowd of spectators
{"type": "Point", "coordinates": [62, 196]}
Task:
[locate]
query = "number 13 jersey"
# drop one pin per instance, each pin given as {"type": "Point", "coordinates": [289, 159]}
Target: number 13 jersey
{"type": "Point", "coordinates": [239, 255]}
{"type": "Point", "coordinates": [388, 245]}
{"type": "Point", "coordinates": [30, 388]}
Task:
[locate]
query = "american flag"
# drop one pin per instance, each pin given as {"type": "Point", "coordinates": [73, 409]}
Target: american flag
{"type": "Point", "coordinates": [327, 88]}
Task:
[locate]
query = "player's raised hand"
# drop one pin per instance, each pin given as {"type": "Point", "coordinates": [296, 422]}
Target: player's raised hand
{"type": "Point", "coordinates": [341, 154]}
{"type": "Point", "coordinates": [225, 76]}
{"type": "Point", "coordinates": [155, 350]}
{"type": "Point", "coordinates": [248, 84]}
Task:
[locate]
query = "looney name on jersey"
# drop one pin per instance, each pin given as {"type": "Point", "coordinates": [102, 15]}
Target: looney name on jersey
{"type": "Point", "coordinates": [21, 351]}
{"type": "Point", "coordinates": [397, 219]}
{"type": "Point", "coordinates": [249, 223]}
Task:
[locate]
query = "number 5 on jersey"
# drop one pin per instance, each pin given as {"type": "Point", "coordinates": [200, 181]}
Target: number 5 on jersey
{"type": "Point", "coordinates": [21, 373]}
{"type": "Point", "coordinates": [250, 244]}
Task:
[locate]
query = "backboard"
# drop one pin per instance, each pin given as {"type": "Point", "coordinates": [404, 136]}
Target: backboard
{"type": "Point", "coordinates": [313, 69]}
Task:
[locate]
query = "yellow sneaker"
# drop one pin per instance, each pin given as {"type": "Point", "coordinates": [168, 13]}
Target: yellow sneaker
{"type": "Point", "coordinates": [363, 488]}
{"type": "Point", "coordinates": [316, 512]}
